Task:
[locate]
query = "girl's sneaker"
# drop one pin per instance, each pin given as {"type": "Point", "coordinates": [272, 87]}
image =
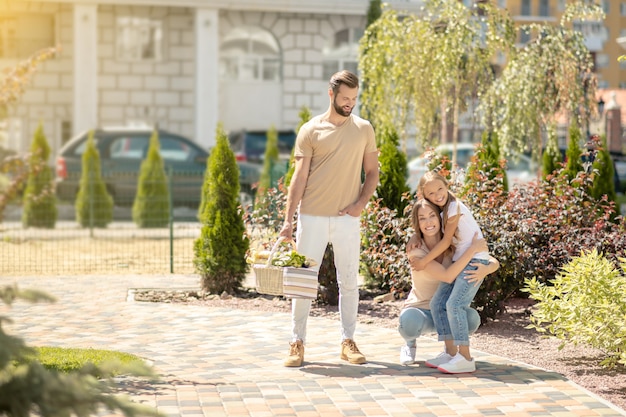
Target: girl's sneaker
{"type": "Point", "coordinates": [458, 365]}
{"type": "Point", "coordinates": [442, 358]}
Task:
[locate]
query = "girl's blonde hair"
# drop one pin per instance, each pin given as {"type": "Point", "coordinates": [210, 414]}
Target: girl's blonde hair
{"type": "Point", "coordinates": [429, 177]}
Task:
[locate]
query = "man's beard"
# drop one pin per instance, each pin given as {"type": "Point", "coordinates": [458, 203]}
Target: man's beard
{"type": "Point", "coordinates": [340, 110]}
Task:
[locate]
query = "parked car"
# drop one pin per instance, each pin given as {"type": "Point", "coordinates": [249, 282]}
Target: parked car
{"type": "Point", "coordinates": [249, 146]}
{"type": "Point", "coordinates": [519, 170]}
{"type": "Point", "coordinates": [121, 152]}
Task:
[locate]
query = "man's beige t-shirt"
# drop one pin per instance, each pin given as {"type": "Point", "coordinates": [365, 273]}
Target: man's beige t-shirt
{"type": "Point", "coordinates": [336, 152]}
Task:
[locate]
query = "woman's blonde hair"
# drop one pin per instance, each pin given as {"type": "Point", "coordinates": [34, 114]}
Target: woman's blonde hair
{"type": "Point", "coordinates": [429, 177]}
{"type": "Point", "coordinates": [415, 222]}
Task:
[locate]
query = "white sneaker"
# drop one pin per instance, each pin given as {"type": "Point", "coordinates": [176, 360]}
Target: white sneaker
{"type": "Point", "coordinates": [442, 358]}
{"type": "Point", "coordinates": [458, 365]}
{"type": "Point", "coordinates": [407, 355]}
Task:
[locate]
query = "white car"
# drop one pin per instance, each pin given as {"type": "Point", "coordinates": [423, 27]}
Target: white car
{"type": "Point", "coordinates": [519, 170]}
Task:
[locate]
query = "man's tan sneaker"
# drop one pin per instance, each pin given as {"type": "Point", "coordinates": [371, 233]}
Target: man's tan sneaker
{"type": "Point", "coordinates": [296, 354]}
{"type": "Point", "coordinates": [351, 353]}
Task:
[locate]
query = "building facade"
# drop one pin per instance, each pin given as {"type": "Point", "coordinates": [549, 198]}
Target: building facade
{"type": "Point", "coordinates": [186, 65]}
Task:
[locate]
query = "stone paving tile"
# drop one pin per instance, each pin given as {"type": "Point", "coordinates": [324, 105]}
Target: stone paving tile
{"type": "Point", "coordinates": [222, 362]}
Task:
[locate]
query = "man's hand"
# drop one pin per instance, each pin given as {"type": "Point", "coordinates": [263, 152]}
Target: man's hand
{"type": "Point", "coordinates": [287, 231]}
{"type": "Point", "coordinates": [353, 210]}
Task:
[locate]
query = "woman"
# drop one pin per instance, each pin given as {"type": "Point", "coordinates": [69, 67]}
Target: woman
{"type": "Point", "coordinates": [416, 317]}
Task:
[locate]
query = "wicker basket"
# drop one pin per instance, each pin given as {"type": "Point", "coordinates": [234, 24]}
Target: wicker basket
{"type": "Point", "coordinates": [269, 278]}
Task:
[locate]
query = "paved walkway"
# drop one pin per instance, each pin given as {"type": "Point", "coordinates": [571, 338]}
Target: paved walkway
{"type": "Point", "coordinates": [220, 362]}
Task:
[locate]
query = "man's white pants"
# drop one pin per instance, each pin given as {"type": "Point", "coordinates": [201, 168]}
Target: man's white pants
{"type": "Point", "coordinates": [312, 236]}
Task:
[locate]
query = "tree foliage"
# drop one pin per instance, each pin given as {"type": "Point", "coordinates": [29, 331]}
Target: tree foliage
{"type": "Point", "coordinates": [151, 207]}
{"type": "Point", "coordinates": [573, 154]}
{"type": "Point", "coordinates": [551, 158]}
{"type": "Point", "coordinates": [220, 251]}
{"type": "Point", "coordinates": [550, 76]}
{"type": "Point", "coordinates": [14, 79]}
{"type": "Point", "coordinates": [440, 59]}
{"type": "Point", "coordinates": [39, 208]}
{"type": "Point", "coordinates": [94, 204]}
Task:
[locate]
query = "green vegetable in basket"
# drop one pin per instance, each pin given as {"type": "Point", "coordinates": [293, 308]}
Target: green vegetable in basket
{"type": "Point", "coordinates": [290, 258]}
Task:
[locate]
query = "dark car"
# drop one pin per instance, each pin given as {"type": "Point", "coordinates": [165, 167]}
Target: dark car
{"type": "Point", "coordinates": [121, 152]}
{"type": "Point", "coordinates": [249, 146]}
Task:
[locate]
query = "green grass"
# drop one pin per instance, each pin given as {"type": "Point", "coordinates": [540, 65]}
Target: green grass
{"type": "Point", "coordinates": [72, 359]}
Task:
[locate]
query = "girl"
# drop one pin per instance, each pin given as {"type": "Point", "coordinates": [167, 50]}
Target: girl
{"type": "Point", "coordinates": [416, 317]}
{"type": "Point", "coordinates": [449, 304]}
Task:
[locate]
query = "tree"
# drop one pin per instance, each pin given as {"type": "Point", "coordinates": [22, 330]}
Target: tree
{"type": "Point", "coordinates": [151, 207]}
{"type": "Point", "coordinates": [27, 388]}
{"type": "Point", "coordinates": [393, 171]}
{"type": "Point", "coordinates": [441, 60]}
{"type": "Point", "coordinates": [94, 204]}
{"type": "Point", "coordinates": [550, 76]}
{"type": "Point", "coordinates": [220, 251]}
{"type": "Point", "coordinates": [40, 208]}
{"type": "Point", "coordinates": [16, 78]}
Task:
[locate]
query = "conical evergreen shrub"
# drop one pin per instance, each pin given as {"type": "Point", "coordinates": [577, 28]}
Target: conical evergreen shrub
{"type": "Point", "coordinates": [305, 116]}
{"type": "Point", "coordinates": [220, 251]}
{"type": "Point", "coordinates": [573, 154]}
{"type": "Point", "coordinates": [94, 204]}
{"type": "Point", "coordinates": [269, 162]}
{"type": "Point", "coordinates": [39, 209]}
{"type": "Point", "coordinates": [487, 165]}
{"type": "Point", "coordinates": [551, 158]}
{"type": "Point", "coordinates": [604, 174]}
{"type": "Point", "coordinates": [151, 207]}
{"type": "Point", "coordinates": [393, 171]}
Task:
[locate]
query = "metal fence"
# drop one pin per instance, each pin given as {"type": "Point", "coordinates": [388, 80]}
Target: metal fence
{"type": "Point", "coordinates": [119, 248]}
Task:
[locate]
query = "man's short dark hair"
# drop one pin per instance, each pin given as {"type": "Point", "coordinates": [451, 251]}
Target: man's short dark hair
{"type": "Point", "coordinates": [343, 77]}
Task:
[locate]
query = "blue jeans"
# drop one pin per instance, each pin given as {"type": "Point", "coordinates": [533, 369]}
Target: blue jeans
{"type": "Point", "coordinates": [450, 304]}
{"type": "Point", "coordinates": [416, 321]}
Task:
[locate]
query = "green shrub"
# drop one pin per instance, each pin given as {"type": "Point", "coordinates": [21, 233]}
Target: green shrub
{"type": "Point", "coordinates": [29, 387]}
{"type": "Point", "coordinates": [486, 164]}
{"type": "Point", "coordinates": [220, 251]}
{"type": "Point", "coordinates": [151, 207]}
{"type": "Point", "coordinates": [393, 171]}
{"type": "Point", "coordinates": [94, 204]}
{"type": "Point", "coordinates": [39, 208]}
{"type": "Point", "coordinates": [585, 304]}
{"type": "Point", "coordinates": [537, 228]}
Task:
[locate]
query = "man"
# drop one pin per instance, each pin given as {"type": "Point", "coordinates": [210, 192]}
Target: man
{"type": "Point", "coordinates": [331, 151]}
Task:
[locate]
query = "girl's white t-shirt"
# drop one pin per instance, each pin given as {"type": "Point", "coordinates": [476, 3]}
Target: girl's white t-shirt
{"type": "Point", "coordinates": [465, 230]}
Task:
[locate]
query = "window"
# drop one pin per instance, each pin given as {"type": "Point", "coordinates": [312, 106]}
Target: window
{"type": "Point", "coordinates": [342, 52]}
{"type": "Point", "coordinates": [602, 60]}
{"type": "Point", "coordinates": [23, 35]}
{"type": "Point", "coordinates": [525, 8]}
{"type": "Point", "coordinates": [524, 37]}
{"type": "Point", "coordinates": [603, 84]}
{"type": "Point", "coordinates": [622, 85]}
{"type": "Point", "coordinates": [605, 6]}
{"type": "Point", "coordinates": [139, 39]}
{"type": "Point", "coordinates": [130, 147]}
{"type": "Point", "coordinates": [544, 8]}
{"type": "Point", "coordinates": [250, 54]}
{"type": "Point", "coordinates": [622, 8]}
